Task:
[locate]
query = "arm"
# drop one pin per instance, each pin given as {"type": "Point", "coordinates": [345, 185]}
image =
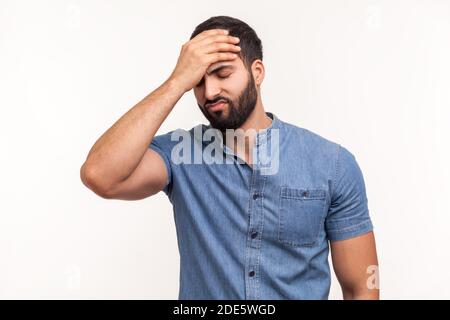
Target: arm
{"type": "Point", "coordinates": [120, 165]}
{"type": "Point", "coordinates": [356, 266]}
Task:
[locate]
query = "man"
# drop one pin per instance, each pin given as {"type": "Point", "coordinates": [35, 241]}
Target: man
{"type": "Point", "coordinates": [255, 226]}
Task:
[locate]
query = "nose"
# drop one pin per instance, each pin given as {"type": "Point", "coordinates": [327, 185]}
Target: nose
{"type": "Point", "coordinates": [212, 89]}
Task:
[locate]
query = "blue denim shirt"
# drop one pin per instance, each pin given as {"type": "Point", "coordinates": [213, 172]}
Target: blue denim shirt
{"type": "Point", "coordinates": [247, 233]}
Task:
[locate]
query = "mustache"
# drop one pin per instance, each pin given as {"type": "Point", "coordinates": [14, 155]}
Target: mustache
{"type": "Point", "coordinates": [211, 102]}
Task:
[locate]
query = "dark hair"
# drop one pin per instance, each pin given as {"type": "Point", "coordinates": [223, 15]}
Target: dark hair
{"type": "Point", "coordinates": [251, 47]}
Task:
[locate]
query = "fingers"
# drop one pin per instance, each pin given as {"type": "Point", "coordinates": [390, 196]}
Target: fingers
{"type": "Point", "coordinates": [221, 56]}
{"type": "Point", "coordinates": [216, 44]}
{"type": "Point", "coordinates": [214, 41]}
{"type": "Point", "coordinates": [220, 47]}
{"type": "Point", "coordinates": [218, 38]}
{"type": "Point", "coordinates": [208, 33]}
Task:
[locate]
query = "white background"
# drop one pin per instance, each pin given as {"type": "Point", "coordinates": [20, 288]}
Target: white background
{"type": "Point", "coordinates": [373, 76]}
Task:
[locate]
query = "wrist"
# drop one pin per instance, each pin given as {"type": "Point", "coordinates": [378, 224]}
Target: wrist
{"type": "Point", "coordinates": [176, 85]}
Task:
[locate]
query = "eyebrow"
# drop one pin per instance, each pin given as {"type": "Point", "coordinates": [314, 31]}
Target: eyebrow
{"type": "Point", "coordinates": [220, 68]}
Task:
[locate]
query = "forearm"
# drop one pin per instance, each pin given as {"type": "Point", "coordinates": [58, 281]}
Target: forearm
{"type": "Point", "coordinates": [116, 154]}
{"type": "Point", "coordinates": [367, 294]}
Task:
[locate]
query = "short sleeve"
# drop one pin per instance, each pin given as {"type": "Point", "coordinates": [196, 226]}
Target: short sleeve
{"type": "Point", "coordinates": [348, 215]}
{"type": "Point", "coordinates": [162, 145]}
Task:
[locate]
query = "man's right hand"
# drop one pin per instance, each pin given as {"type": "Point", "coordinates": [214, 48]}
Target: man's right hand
{"type": "Point", "coordinates": [200, 52]}
{"type": "Point", "coordinates": [121, 165]}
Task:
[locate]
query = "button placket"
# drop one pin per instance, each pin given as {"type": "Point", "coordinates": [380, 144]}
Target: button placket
{"type": "Point", "coordinates": [254, 235]}
{"type": "Point", "coordinates": [256, 220]}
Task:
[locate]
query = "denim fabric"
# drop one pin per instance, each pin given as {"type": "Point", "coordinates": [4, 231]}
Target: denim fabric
{"type": "Point", "coordinates": [245, 232]}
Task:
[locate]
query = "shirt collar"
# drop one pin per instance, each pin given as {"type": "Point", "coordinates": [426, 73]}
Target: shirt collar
{"type": "Point", "coordinates": [262, 136]}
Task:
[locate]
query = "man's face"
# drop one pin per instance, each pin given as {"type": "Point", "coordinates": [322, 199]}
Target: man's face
{"type": "Point", "coordinates": [227, 94]}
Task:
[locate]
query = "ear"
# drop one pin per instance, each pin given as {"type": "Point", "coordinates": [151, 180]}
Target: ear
{"type": "Point", "coordinates": [258, 71]}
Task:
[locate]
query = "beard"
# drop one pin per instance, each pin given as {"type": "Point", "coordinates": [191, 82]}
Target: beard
{"type": "Point", "coordinates": [238, 110]}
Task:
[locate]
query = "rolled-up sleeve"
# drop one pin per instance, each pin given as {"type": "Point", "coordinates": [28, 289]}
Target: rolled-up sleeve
{"type": "Point", "coordinates": [348, 215]}
{"type": "Point", "coordinates": [163, 146]}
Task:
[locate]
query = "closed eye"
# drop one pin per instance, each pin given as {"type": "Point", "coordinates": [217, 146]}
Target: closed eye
{"type": "Point", "coordinates": [223, 75]}
{"type": "Point", "coordinates": [216, 72]}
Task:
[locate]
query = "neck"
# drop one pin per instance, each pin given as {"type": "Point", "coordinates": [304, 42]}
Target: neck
{"type": "Point", "coordinates": [257, 120]}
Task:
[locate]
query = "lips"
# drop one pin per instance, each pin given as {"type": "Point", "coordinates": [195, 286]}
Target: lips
{"type": "Point", "coordinates": [219, 105]}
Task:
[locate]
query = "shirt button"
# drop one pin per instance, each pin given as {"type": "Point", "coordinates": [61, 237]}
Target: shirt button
{"type": "Point", "coordinates": [254, 235]}
{"type": "Point", "coordinates": [255, 196]}
{"type": "Point", "coordinates": [251, 273]}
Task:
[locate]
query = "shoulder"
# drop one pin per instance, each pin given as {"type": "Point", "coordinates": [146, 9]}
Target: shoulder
{"type": "Point", "coordinates": [174, 136]}
{"type": "Point", "coordinates": [188, 137]}
{"type": "Point", "coordinates": [321, 150]}
{"type": "Point", "coordinates": [310, 141]}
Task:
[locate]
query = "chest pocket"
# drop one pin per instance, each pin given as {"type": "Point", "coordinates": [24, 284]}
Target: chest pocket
{"type": "Point", "coordinates": [301, 216]}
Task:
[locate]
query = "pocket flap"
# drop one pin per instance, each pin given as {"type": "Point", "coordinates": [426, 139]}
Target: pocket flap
{"type": "Point", "coordinates": [302, 194]}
